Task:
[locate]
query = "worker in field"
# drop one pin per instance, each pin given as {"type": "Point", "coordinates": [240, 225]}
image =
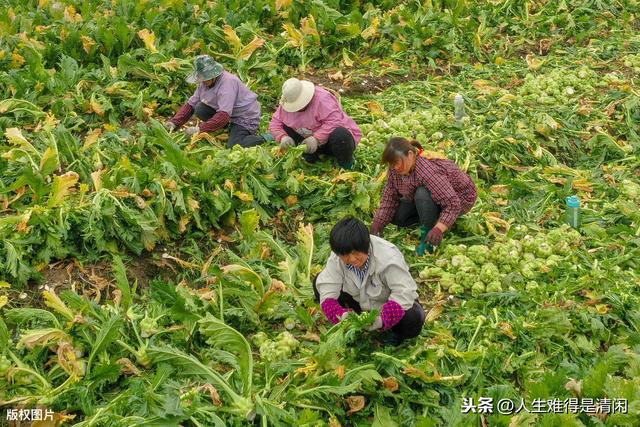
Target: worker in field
{"type": "Point", "coordinates": [430, 192]}
{"type": "Point", "coordinates": [220, 100]}
{"type": "Point", "coordinates": [313, 116]}
{"type": "Point", "coordinates": [365, 273]}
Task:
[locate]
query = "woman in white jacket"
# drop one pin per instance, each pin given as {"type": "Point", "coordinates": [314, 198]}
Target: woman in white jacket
{"type": "Point", "coordinates": [364, 273]}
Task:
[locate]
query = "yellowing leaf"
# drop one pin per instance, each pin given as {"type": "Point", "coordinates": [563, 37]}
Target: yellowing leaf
{"type": "Point", "coordinates": [309, 27]}
{"type": "Point", "coordinates": [71, 15]}
{"type": "Point", "coordinates": [296, 38]}
{"type": "Point", "coordinates": [171, 65]}
{"type": "Point", "coordinates": [49, 161]}
{"type": "Point", "coordinates": [372, 30]}
{"type": "Point", "coordinates": [149, 39]}
{"type": "Point", "coordinates": [375, 108]}
{"type": "Point", "coordinates": [14, 135]}
{"type": "Point", "coordinates": [91, 138]}
{"type": "Point", "coordinates": [87, 43]}
{"type": "Point", "coordinates": [95, 106]}
{"type": "Point", "coordinates": [246, 52]}
{"type": "Point", "coordinates": [533, 63]}
{"type": "Point", "coordinates": [42, 337]}
{"type": "Point", "coordinates": [53, 301]}
{"type": "Point", "coordinates": [3, 300]}
{"type": "Point", "coordinates": [283, 4]}
{"type": "Point", "coordinates": [5, 284]}
{"type": "Point", "coordinates": [62, 186]}
{"type": "Point", "coordinates": [68, 360]}
{"type": "Point", "coordinates": [232, 38]}
{"type": "Point", "coordinates": [96, 178]}
{"type": "Point", "coordinates": [243, 196]}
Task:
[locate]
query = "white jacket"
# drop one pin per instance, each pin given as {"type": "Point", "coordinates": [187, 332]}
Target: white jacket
{"type": "Point", "coordinates": [388, 278]}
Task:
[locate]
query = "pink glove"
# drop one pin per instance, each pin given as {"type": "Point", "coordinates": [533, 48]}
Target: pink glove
{"type": "Point", "coordinates": [333, 310]}
{"type": "Point", "coordinates": [391, 314]}
{"type": "Point", "coordinates": [434, 236]}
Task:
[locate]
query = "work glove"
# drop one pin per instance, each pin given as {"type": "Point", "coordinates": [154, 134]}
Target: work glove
{"type": "Point", "coordinates": [434, 236]}
{"type": "Point", "coordinates": [344, 315]}
{"type": "Point", "coordinates": [170, 126]}
{"type": "Point", "coordinates": [286, 142]}
{"type": "Point", "coordinates": [311, 143]}
{"type": "Point", "coordinates": [191, 130]}
{"type": "Point", "coordinates": [377, 324]}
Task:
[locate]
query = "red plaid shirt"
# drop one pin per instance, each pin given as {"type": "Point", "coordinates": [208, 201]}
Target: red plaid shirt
{"type": "Point", "coordinates": [451, 189]}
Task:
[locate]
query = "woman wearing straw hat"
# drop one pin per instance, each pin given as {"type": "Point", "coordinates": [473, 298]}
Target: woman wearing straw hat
{"type": "Point", "coordinates": [313, 116]}
{"type": "Point", "coordinates": [220, 99]}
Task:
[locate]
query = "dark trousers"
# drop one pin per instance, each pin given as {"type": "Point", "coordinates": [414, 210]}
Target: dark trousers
{"type": "Point", "coordinates": [408, 327]}
{"type": "Point", "coordinates": [238, 135]}
{"type": "Point", "coordinates": [421, 210]}
{"type": "Point", "coordinates": [340, 145]}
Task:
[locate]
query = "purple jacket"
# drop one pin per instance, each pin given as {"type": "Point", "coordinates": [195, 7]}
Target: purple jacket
{"type": "Point", "coordinates": [323, 114]}
{"type": "Point", "coordinates": [230, 95]}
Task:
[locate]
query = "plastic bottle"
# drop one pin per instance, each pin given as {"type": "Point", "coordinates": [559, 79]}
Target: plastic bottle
{"type": "Point", "coordinates": [458, 107]}
{"type": "Point", "coordinates": [573, 211]}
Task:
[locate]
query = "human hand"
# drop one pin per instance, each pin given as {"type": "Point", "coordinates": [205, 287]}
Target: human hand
{"type": "Point", "coordinates": [286, 142]}
{"type": "Point", "coordinates": [191, 130]}
{"type": "Point", "coordinates": [311, 143]}
{"type": "Point", "coordinates": [170, 126]}
{"type": "Point", "coordinates": [434, 236]}
{"type": "Point", "coordinates": [377, 324]}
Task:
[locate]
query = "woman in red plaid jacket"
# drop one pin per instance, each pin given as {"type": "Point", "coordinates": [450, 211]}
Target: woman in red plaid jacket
{"type": "Point", "coordinates": [429, 192]}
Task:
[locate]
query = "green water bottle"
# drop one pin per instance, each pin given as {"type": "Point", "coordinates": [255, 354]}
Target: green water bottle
{"type": "Point", "coordinates": [573, 211]}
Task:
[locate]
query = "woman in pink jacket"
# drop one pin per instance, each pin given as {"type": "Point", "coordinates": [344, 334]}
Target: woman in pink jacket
{"type": "Point", "coordinates": [313, 116]}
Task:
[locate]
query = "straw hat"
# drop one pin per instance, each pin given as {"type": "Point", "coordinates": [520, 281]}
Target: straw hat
{"type": "Point", "coordinates": [204, 68]}
{"type": "Point", "coordinates": [296, 94]}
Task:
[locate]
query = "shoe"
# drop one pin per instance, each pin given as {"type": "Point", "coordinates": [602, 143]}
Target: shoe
{"type": "Point", "coordinates": [391, 338]}
{"type": "Point", "coordinates": [311, 158]}
{"type": "Point", "coordinates": [268, 137]}
{"type": "Point", "coordinates": [346, 166]}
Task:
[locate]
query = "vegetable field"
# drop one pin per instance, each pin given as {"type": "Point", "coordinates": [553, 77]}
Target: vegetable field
{"type": "Point", "coordinates": [147, 279]}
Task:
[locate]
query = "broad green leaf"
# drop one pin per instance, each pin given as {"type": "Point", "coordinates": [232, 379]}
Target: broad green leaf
{"type": "Point", "coordinates": [247, 274]}
{"type": "Point", "coordinates": [189, 366]}
{"type": "Point", "coordinates": [222, 336]}
{"type": "Point", "coordinates": [109, 332]}
{"type": "Point", "coordinates": [120, 273]}
{"type": "Point", "coordinates": [4, 334]}
{"type": "Point", "coordinates": [249, 221]}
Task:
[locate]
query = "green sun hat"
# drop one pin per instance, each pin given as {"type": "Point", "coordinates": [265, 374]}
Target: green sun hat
{"type": "Point", "coordinates": [204, 68]}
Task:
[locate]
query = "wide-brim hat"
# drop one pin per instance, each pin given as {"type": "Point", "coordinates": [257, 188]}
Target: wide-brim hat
{"type": "Point", "coordinates": [296, 94]}
{"type": "Point", "coordinates": [204, 68]}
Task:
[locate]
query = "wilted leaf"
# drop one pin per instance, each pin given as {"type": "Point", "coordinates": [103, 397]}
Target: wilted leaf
{"type": "Point", "coordinates": [533, 63]}
{"type": "Point", "coordinates": [295, 37]}
{"type": "Point", "coordinates": [375, 108]}
{"type": "Point", "coordinates": [128, 368]}
{"type": "Point", "coordinates": [356, 403]}
{"type": "Point", "coordinates": [42, 337]}
{"type": "Point", "coordinates": [68, 360]}
{"type": "Point", "coordinates": [170, 65]}
{"type": "Point", "coordinates": [372, 30]}
{"type": "Point", "coordinates": [246, 52]}
{"type": "Point", "coordinates": [213, 393]}
{"type": "Point", "coordinates": [283, 4]}
{"type": "Point", "coordinates": [87, 43]}
{"type": "Point", "coordinates": [232, 38]}
{"type": "Point", "coordinates": [391, 384]}
{"type": "Point", "coordinates": [309, 27]}
{"type": "Point", "coordinates": [574, 386]}
{"type": "Point", "coordinates": [149, 39]}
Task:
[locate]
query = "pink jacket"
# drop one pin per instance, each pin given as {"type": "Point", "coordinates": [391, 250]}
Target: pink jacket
{"type": "Point", "coordinates": [323, 114]}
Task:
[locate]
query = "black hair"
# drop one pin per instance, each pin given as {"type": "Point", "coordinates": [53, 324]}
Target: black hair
{"type": "Point", "coordinates": [398, 147]}
{"type": "Point", "coordinates": [348, 235]}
